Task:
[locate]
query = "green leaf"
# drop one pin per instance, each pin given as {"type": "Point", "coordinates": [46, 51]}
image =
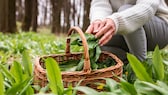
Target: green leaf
{"type": "Point", "coordinates": [68, 91]}
{"type": "Point", "coordinates": [18, 87]}
{"type": "Point", "coordinates": [54, 76]}
{"type": "Point", "coordinates": [111, 84]}
{"type": "Point", "coordinates": [87, 90]}
{"type": "Point", "coordinates": [128, 87]}
{"type": "Point", "coordinates": [162, 84]}
{"type": "Point", "coordinates": [27, 89]}
{"type": "Point", "coordinates": [2, 88]}
{"type": "Point", "coordinates": [98, 52]}
{"type": "Point", "coordinates": [27, 63]}
{"type": "Point", "coordinates": [80, 65]}
{"type": "Point", "coordinates": [69, 65]}
{"type": "Point", "coordinates": [42, 47]}
{"type": "Point", "coordinates": [16, 71]}
{"type": "Point", "coordinates": [148, 64]}
{"type": "Point", "coordinates": [75, 90]}
{"type": "Point", "coordinates": [44, 89]}
{"type": "Point", "coordinates": [158, 64]}
{"type": "Point", "coordinates": [146, 88]}
{"type": "Point", "coordinates": [138, 68]}
{"type": "Point", "coordinates": [7, 74]}
{"type": "Point", "coordinates": [94, 49]}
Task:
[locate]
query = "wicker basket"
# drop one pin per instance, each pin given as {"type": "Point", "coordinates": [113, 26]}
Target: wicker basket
{"type": "Point", "coordinates": [88, 76]}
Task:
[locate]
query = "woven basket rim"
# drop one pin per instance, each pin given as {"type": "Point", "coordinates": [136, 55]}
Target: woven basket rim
{"type": "Point", "coordinates": [118, 64]}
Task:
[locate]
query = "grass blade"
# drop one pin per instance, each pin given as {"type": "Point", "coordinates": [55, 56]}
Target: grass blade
{"type": "Point", "coordinates": [128, 87]}
{"type": "Point", "coordinates": [158, 64]}
{"type": "Point", "coordinates": [1, 85]}
{"type": "Point", "coordinates": [68, 91]}
{"type": "Point", "coordinates": [27, 63]}
{"type": "Point", "coordinates": [138, 68]}
{"type": "Point", "coordinates": [7, 74]}
{"type": "Point", "coordinates": [111, 84]}
{"type": "Point", "coordinates": [54, 76]}
{"type": "Point", "coordinates": [17, 87]}
{"type": "Point", "coordinates": [16, 71]}
{"type": "Point", "coordinates": [146, 88]}
{"type": "Point", "coordinates": [27, 88]}
{"type": "Point", "coordinates": [87, 90]}
{"type": "Point", "coordinates": [75, 90]}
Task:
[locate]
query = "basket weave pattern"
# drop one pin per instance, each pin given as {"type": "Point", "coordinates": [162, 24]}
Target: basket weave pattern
{"type": "Point", "coordinates": [87, 75]}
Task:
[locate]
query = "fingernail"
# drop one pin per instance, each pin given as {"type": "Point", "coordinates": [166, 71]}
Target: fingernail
{"type": "Point", "coordinates": [100, 43]}
{"type": "Point", "coordinates": [95, 31]}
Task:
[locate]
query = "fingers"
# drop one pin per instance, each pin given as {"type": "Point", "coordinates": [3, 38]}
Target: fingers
{"type": "Point", "coordinates": [105, 38]}
{"type": "Point", "coordinates": [102, 29]}
{"type": "Point", "coordinates": [97, 29]}
{"type": "Point", "coordinates": [106, 32]}
{"type": "Point", "coordinates": [90, 29]}
{"type": "Point", "coordinates": [94, 27]}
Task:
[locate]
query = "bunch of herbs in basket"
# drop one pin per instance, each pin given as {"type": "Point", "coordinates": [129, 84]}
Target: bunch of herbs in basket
{"type": "Point", "coordinates": [94, 54]}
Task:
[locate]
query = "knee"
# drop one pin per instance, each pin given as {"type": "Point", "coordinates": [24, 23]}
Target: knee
{"type": "Point", "coordinates": [123, 7]}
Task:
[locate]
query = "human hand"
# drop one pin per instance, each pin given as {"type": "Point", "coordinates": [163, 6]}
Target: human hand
{"type": "Point", "coordinates": [95, 26]}
{"type": "Point", "coordinates": [104, 29]}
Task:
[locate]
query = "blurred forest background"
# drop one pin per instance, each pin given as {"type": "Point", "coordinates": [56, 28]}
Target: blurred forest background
{"type": "Point", "coordinates": [30, 15]}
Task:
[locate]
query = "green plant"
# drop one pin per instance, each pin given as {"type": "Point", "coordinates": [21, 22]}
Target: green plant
{"type": "Point", "coordinates": [17, 51]}
{"type": "Point", "coordinates": [18, 79]}
{"type": "Point", "coordinates": [55, 78]}
{"type": "Point", "coordinates": [146, 83]}
{"type": "Point", "coordinates": [153, 82]}
{"type": "Point", "coordinates": [2, 85]}
{"type": "Point", "coordinates": [94, 52]}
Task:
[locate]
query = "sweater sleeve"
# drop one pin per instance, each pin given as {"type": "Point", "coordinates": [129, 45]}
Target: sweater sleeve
{"type": "Point", "coordinates": [135, 17]}
{"type": "Point", "coordinates": [100, 9]}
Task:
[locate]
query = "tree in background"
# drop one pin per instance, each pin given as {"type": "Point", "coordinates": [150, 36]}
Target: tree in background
{"type": "Point", "coordinates": [19, 10]}
{"type": "Point", "coordinates": [30, 15]}
{"type": "Point", "coordinates": [166, 2]}
{"type": "Point", "coordinates": [86, 20]}
{"type": "Point", "coordinates": [60, 15]}
{"type": "Point", "coordinates": [66, 10]}
{"type": "Point", "coordinates": [11, 16]}
{"type": "Point", "coordinates": [56, 15]}
{"type": "Point", "coordinates": [3, 13]}
{"type": "Point", "coordinates": [34, 15]}
{"type": "Point", "coordinates": [26, 24]}
{"type": "Point", "coordinates": [45, 8]}
{"type": "Point", "coordinates": [7, 16]}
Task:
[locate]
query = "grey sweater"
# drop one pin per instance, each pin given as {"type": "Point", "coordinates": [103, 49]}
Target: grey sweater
{"type": "Point", "coordinates": [132, 18]}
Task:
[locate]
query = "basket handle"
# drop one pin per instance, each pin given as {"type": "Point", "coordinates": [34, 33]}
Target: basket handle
{"type": "Point", "coordinates": [86, 67]}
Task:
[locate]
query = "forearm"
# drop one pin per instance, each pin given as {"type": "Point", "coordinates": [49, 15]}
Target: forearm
{"type": "Point", "coordinates": [135, 17]}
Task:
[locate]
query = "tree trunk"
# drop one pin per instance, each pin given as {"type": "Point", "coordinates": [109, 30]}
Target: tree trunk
{"type": "Point", "coordinates": [66, 10]}
{"type": "Point", "coordinates": [86, 20]}
{"type": "Point", "coordinates": [79, 14]}
{"type": "Point", "coordinates": [34, 15]}
{"type": "Point", "coordinates": [3, 15]}
{"type": "Point", "coordinates": [166, 2]}
{"type": "Point", "coordinates": [45, 12]}
{"type": "Point", "coordinates": [8, 17]}
{"type": "Point", "coordinates": [73, 12]}
{"type": "Point", "coordinates": [12, 16]}
{"type": "Point", "coordinates": [19, 10]}
{"type": "Point", "coordinates": [27, 16]}
{"type": "Point", "coordinates": [56, 13]}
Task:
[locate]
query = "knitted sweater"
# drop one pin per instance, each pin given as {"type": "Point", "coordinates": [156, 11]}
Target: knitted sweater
{"type": "Point", "coordinates": [130, 19]}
